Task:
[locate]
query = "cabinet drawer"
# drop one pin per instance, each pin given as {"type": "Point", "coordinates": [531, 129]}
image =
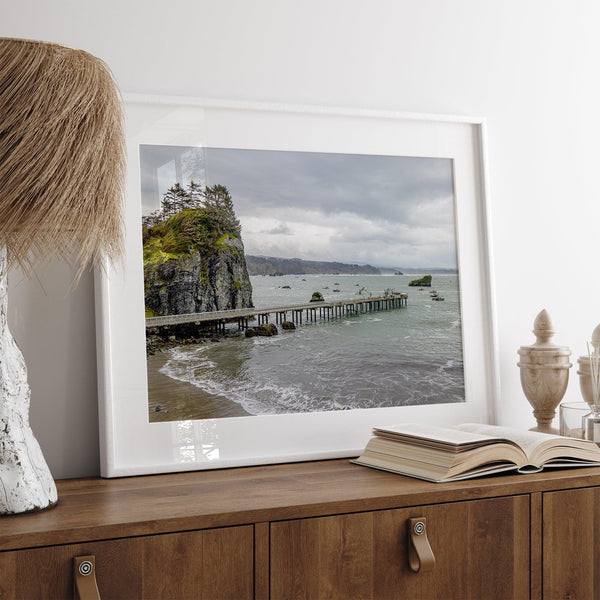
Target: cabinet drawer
{"type": "Point", "coordinates": [211, 564]}
{"type": "Point", "coordinates": [481, 549]}
{"type": "Point", "coordinates": [571, 529]}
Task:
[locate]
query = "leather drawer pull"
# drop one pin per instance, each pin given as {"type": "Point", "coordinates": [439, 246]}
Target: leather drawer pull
{"type": "Point", "coordinates": [420, 555]}
{"type": "Point", "coordinates": [84, 578]}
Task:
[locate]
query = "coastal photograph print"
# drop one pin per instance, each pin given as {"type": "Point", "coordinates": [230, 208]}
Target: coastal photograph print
{"type": "Point", "coordinates": [283, 282]}
{"type": "Point", "coordinates": [293, 277]}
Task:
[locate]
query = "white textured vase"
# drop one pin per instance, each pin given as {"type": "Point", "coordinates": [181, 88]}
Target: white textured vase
{"type": "Point", "coordinates": [26, 484]}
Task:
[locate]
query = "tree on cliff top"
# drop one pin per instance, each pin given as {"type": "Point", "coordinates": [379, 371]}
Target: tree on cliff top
{"type": "Point", "coordinates": [215, 202]}
{"type": "Point", "coordinates": [218, 205]}
{"type": "Point", "coordinates": [191, 219]}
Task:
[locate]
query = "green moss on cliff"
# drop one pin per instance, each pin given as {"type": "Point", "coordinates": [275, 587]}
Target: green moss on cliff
{"type": "Point", "coordinates": [186, 232]}
{"type": "Point", "coordinates": [220, 244]}
{"type": "Point", "coordinates": [154, 252]}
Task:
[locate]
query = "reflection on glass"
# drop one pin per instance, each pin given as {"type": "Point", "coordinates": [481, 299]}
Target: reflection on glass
{"type": "Point", "coordinates": [195, 441]}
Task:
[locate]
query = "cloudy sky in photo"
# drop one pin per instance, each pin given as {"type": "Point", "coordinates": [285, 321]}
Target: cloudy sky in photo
{"type": "Point", "coordinates": [386, 211]}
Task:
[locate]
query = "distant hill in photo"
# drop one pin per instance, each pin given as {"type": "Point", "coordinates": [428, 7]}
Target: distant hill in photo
{"type": "Point", "coordinates": [417, 270]}
{"type": "Point", "coordinates": [272, 265]}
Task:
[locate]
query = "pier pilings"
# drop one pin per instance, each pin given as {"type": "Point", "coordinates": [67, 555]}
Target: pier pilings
{"type": "Point", "coordinates": [311, 312]}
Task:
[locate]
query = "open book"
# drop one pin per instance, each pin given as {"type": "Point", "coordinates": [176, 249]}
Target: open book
{"type": "Point", "coordinates": [471, 450]}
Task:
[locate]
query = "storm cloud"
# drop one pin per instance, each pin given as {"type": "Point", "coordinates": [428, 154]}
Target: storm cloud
{"type": "Point", "coordinates": [387, 211]}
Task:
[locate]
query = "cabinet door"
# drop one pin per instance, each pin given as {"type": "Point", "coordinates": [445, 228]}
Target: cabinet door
{"type": "Point", "coordinates": [571, 562]}
{"type": "Point", "coordinates": [481, 549]}
{"type": "Point", "coordinates": [211, 564]}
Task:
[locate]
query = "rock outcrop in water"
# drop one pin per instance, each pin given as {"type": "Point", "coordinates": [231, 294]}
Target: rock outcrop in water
{"type": "Point", "coordinates": [194, 258]}
{"type": "Point", "coordinates": [264, 330]}
{"type": "Point", "coordinates": [423, 282]}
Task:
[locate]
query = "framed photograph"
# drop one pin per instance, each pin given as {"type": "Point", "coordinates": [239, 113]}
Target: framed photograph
{"type": "Point", "coordinates": [293, 277]}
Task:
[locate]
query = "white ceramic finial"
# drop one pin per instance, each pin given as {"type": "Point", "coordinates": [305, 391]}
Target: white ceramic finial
{"type": "Point", "coordinates": [543, 329]}
{"type": "Point", "coordinates": [596, 337]}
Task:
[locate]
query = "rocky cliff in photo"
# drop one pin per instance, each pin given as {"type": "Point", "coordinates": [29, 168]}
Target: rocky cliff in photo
{"type": "Point", "coordinates": [194, 255]}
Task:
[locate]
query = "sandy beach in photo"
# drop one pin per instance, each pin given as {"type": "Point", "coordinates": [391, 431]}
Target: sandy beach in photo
{"type": "Point", "coordinates": [180, 401]}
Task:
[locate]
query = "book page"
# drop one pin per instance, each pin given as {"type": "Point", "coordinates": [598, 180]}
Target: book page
{"type": "Point", "coordinates": [444, 435]}
{"type": "Point", "coordinates": [527, 440]}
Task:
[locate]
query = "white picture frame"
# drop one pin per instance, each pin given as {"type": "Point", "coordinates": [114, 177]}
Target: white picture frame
{"type": "Point", "coordinates": [130, 444]}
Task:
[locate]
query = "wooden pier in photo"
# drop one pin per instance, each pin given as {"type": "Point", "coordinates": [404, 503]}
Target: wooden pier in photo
{"type": "Point", "coordinates": [296, 313]}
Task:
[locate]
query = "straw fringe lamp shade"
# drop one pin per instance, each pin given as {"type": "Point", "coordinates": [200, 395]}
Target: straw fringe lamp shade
{"type": "Point", "coordinates": [61, 180]}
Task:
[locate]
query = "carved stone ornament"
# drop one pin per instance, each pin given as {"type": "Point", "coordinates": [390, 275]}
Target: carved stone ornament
{"type": "Point", "coordinates": [544, 373]}
{"type": "Point", "coordinates": [26, 484]}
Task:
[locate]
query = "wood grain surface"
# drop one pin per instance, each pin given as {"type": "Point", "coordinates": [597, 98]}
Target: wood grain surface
{"type": "Point", "coordinates": [324, 529]}
{"type": "Point", "coordinates": [537, 544]}
{"type": "Point", "coordinates": [212, 564]}
{"type": "Point", "coordinates": [571, 566]}
{"type": "Point", "coordinates": [97, 509]}
{"type": "Point", "coordinates": [481, 549]}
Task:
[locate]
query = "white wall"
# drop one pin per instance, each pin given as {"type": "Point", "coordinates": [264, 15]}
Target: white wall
{"type": "Point", "coordinates": [529, 66]}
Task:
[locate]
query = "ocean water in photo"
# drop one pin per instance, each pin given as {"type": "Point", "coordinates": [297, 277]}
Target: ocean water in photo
{"type": "Point", "coordinates": [398, 357]}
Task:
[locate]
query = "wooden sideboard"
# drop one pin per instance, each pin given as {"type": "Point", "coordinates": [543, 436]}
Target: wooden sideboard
{"type": "Point", "coordinates": [325, 529]}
